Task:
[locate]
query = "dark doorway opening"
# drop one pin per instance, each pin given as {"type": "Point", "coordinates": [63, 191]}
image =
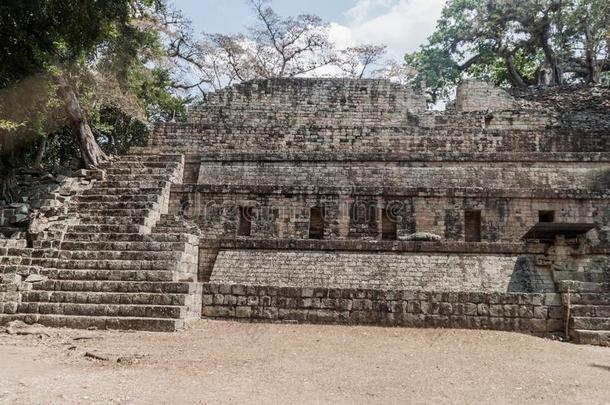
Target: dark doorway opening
{"type": "Point", "coordinates": [472, 225]}
{"type": "Point", "coordinates": [245, 221]}
{"type": "Point", "coordinates": [316, 223]}
{"type": "Point", "coordinates": [546, 216]}
{"type": "Point", "coordinates": [388, 226]}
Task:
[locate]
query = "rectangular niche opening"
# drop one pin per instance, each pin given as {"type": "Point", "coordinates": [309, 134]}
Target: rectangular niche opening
{"type": "Point", "coordinates": [546, 216]}
{"type": "Point", "coordinates": [316, 223]}
{"type": "Point", "coordinates": [245, 221]}
{"type": "Point", "coordinates": [388, 226]}
{"type": "Point", "coordinates": [472, 225]}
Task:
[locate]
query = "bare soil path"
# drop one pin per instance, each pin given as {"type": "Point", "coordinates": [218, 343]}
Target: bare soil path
{"type": "Point", "coordinates": [236, 363]}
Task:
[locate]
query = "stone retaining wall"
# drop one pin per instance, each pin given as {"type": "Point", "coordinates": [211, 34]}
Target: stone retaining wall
{"type": "Point", "coordinates": [382, 271]}
{"type": "Point", "coordinates": [530, 313]}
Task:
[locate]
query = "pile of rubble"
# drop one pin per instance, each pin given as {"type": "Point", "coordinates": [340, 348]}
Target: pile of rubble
{"type": "Point", "coordinates": [43, 198]}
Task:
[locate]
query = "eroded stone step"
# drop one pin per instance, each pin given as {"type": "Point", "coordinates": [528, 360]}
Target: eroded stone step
{"type": "Point", "coordinates": [160, 169]}
{"type": "Point", "coordinates": [119, 286]}
{"type": "Point", "coordinates": [583, 276]}
{"type": "Point", "coordinates": [97, 191]}
{"type": "Point", "coordinates": [98, 322]}
{"type": "Point", "coordinates": [123, 220]}
{"type": "Point", "coordinates": [130, 237]}
{"type": "Point", "coordinates": [95, 229]}
{"type": "Point", "coordinates": [124, 255]}
{"type": "Point", "coordinates": [128, 198]}
{"type": "Point", "coordinates": [91, 297]}
{"type": "Point", "coordinates": [105, 310]}
{"type": "Point", "coordinates": [591, 337]}
{"type": "Point", "coordinates": [170, 265]}
{"type": "Point", "coordinates": [602, 311]}
{"type": "Point", "coordinates": [113, 205]}
{"type": "Point", "coordinates": [103, 211]}
{"type": "Point", "coordinates": [22, 270]}
{"type": "Point", "coordinates": [590, 323]}
{"type": "Point", "coordinates": [587, 298]}
{"type": "Point", "coordinates": [578, 286]}
{"type": "Point", "coordinates": [133, 184]}
{"type": "Point", "coordinates": [125, 246]}
{"type": "Point", "coordinates": [170, 158]}
{"type": "Point", "coordinates": [118, 275]}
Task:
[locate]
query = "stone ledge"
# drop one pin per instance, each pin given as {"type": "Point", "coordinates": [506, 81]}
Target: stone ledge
{"type": "Point", "coordinates": [578, 194]}
{"type": "Point", "coordinates": [374, 246]}
{"type": "Point", "coordinates": [530, 313]}
{"type": "Point", "coordinates": [497, 157]}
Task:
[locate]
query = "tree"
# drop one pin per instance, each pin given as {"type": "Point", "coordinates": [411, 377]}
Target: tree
{"type": "Point", "coordinates": [516, 43]}
{"type": "Point", "coordinates": [51, 36]}
{"type": "Point", "coordinates": [355, 61]}
{"type": "Point", "coordinates": [97, 55]}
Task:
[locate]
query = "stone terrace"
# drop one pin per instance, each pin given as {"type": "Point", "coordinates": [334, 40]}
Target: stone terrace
{"type": "Point", "coordinates": [345, 201]}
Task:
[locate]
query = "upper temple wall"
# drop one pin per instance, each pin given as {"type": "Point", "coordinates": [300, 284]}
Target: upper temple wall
{"type": "Point", "coordinates": [306, 101]}
{"type": "Point", "coordinates": [481, 96]}
{"type": "Point", "coordinates": [365, 119]}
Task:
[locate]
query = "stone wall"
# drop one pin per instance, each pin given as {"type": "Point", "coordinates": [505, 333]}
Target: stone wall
{"type": "Point", "coordinates": [334, 142]}
{"type": "Point", "coordinates": [306, 100]}
{"type": "Point", "coordinates": [529, 313]}
{"type": "Point", "coordinates": [375, 270]}
{"type": "Point", "coordinates": [393, 176]}
{"type": "Point", "coordinates": [279, 214]}
{"type": "Point", "coordinates": [481, 96]}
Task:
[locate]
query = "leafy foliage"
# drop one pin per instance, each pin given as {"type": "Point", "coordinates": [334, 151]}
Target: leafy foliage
{"type": "Point", "coordinates": [516, 43]}
{"type": "Point", "coordinates": [111, 54]}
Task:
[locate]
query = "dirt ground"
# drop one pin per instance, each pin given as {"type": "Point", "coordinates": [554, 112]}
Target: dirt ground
{"type": "Point", "coordinates": [226, 362]}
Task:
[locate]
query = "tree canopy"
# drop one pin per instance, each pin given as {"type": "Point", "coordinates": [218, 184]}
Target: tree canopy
{"type": "Point", "coordinates": [516, 43]}
{"type": "Point", "coordinates": [98, 68]}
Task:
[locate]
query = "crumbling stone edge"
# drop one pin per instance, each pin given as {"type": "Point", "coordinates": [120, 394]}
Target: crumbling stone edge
{"type": "Point", "coordinates": [536, 314]}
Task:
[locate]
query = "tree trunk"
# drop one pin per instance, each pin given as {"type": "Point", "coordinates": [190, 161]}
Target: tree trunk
{"type": "Point", "coordinates": [515, 76]}
{"type": "Point", "coordinates": [591, 57]}
{"type": "Point", "coordinates": [42, 150]}
{"type": "Point", "coordinates": [91, 154]}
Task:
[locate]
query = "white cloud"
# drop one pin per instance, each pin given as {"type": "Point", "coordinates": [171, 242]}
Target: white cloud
{"type": "Point", "coordinates": [402, 25]}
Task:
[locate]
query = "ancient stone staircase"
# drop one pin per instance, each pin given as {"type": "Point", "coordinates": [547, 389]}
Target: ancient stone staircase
{"type": "Point", "coordinates": [122, 264]}
{"type": "Point", "coordinates": [587, 295]}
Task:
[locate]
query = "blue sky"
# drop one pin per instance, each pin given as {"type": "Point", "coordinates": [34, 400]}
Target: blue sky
{"type": "Point", "coordinates": [402, 25]}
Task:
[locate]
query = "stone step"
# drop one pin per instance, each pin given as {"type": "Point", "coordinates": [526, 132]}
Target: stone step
{"type": "Point", "coordinates": [96, 191]}
{"type": "Point", "coordinates": [129, 237]}
{"type": "Point", "coordinates": [590, 323]}
{"type": "Point", "coordinates": [169, 158]}
{"type": "Point", "coordinates": [72, 309]}
{"type": "Point", "coordinates": [125, 246]}
{"type": "Point", "coordinates": [117, 229]}
{"type": "Point", "coordinates": [129, 198]}
{"type": "Point", "coordinates": [130, 255]}
{"type": "Point", "coordinates": [100, 219]}
{"type": "Point", "coordinates": [116, 298]}
{"type": "Point", "coordinates": [130, 184]}
{"type": "Point", "coordinates": [118, 275]}
{"type": "Point", "coordinates": [592, 311]}
{"type": "Point", "coordinates": [166, 167]}
{"type": "Point", "coordinates": [11, 257]}
{"type": "Point", "coordinates": [169, 265]}
{"type": "Point", "coordinates": [119, 286]}
{"type": "Point", "coordinates": [591, 337]}
{"type": "Point", "coordinates": [584, 276]}
{"type": "Point", "coordinates": [161, 174]}
{"type": "Point", "coordinates": [84, 207]}
{"type": "Point", "coordinates": [22, 270]}
{"type": "Point", "coordinates": [162, 169]}
{"type": "Point", "coordinates": [579, 286]}
{"type": "Point", "coordinates": [103, 211]}
{"type": "Point", "coordinates": [98, 322]}
{"type": "Point", "coordinates": [587, 299]}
